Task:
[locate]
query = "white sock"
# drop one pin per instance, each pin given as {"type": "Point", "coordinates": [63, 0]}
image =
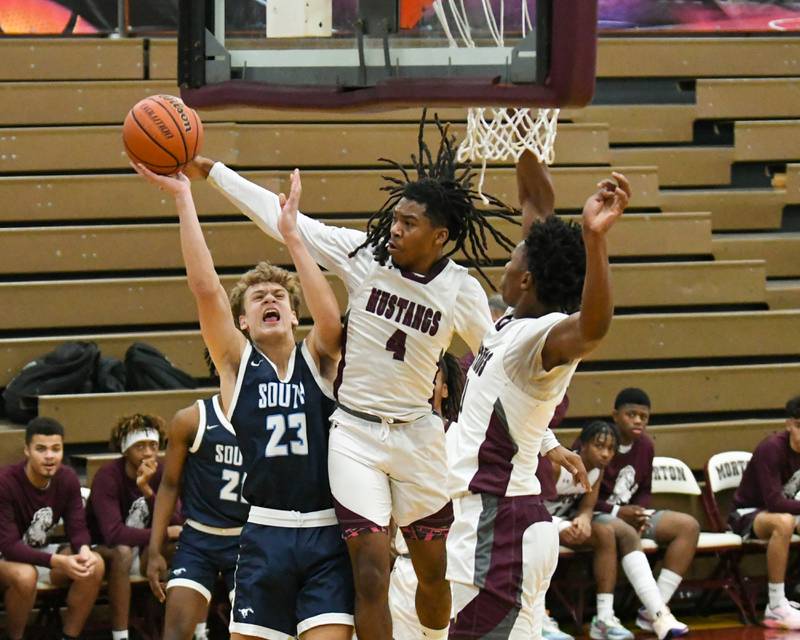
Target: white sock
{"type": "Point", "coordinates": [119, 635]}
{"type": "Point", "coordinates": [200, 630]}
{"type": "Point", "coordinates": [776, 594]}
{"type": "Point", "coordinates": [668, 583]}
{"type": "Point", "coordinates": [435, 634]}
{"type": "Point", "coordinates": [639, 574]}
{"type": "Point", "coordinates": [605, 606]}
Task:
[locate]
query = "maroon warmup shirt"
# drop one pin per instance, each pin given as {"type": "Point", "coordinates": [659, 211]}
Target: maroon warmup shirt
{"type": "Point", "coordinates": [771, 480]}
{"type": "Point", "coordinates": [117, 511]}
{"type": "Point", "coordinates": [28, 514]}
{"type": "Point", "coordinates": [628, 477]}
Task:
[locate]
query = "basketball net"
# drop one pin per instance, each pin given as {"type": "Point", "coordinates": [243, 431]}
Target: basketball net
{"type": "Point", "coordinates": [498, 133]}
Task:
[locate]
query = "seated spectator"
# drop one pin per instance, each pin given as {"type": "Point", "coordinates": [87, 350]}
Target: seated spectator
{"type": "Point", "coordinates": [625, 494]}
{"type": "Point", "coordinates": [34, 496]}
{"type": "Point", "coordinates": [572, 508]}
{"type": "Point", "coordinates": [767, 507]}
{"type": "Point", "coordinates": [120, 509]}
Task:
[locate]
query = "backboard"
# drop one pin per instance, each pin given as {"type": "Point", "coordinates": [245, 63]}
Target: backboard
{"type": "Point", "coordinates": [378, 54]}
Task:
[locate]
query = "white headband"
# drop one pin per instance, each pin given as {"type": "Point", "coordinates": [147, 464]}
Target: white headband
{"type": "Point", "coordinates": [139, 435]}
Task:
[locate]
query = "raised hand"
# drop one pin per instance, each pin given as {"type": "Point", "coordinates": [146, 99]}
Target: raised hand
{"type": "Point", "coordinates": [174, 185]}
{"type": "Point", "coordinates": [287, 222]}
{"type": "Point", "coordinates": [606, 205]}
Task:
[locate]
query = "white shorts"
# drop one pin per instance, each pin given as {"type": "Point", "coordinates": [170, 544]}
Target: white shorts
{"type": "Point", "coordinates": [501, 554]}
{"type": "Point", "coordinates": [379, 470]}
{"type": "Point", "coordinates": [402, 594]}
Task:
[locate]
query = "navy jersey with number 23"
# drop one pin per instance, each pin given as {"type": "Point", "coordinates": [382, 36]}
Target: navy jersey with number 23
{"type": "Point", "coordinates": [282, 426]}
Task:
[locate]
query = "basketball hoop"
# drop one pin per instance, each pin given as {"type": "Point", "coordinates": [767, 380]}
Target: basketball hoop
{"type": "Point", "coordinates": [496, 134]}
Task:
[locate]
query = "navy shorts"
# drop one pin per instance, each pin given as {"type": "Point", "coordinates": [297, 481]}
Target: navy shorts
{"type": "Point", "coordinates": [200, 557]}
{"type": "Point", "coordinates": [290, 580]}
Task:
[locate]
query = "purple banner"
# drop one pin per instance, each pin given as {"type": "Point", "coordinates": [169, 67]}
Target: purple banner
{"type": "Point", "coordinates": [80, 17]}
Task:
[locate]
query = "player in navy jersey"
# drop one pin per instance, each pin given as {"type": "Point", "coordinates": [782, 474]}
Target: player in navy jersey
{"type": "Point", "coordinates": [205, 467]}
{"type": "Point", "coordinates": [293, 576]}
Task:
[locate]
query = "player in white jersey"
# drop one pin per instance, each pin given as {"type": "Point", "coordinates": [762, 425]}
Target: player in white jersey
{"type": "Point", "coordinates": [503, 547]}
{"type": "Point", "coordinates": [406, 302]}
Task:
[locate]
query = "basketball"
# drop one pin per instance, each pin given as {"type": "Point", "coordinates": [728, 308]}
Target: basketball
{"type": "Point", "coordinates": [162, 133]}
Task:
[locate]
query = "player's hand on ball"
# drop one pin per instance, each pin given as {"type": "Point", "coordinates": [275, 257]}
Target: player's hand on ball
{"type": "Point", "coordinates": [606, 205]}
{"type": "Point", "coordinates": [174, 185]}
{"type": "Point", "coordinates": [287, 222]}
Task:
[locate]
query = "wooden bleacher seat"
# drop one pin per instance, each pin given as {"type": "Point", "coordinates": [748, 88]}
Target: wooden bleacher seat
{"type": "Point", "coordinates": [731, 209]}
{"type": "Point", "coordinates": [43, 59]}
{"type": "Point", "coordinates": [164, 300]}
{"type": "Point", "coordinates": [674, 391]}
{"type": "Point", "coordinates": [793, 183]}
{"type": "Point", "coordinates": [88, 418]}
{"type": "Point", "coordinates": [688, 390]}
{"type": "Point", "coordinates": [698, 57]}
{"type": "Point", "coordinates": [92, 462]}
{"type": "Point", "coordinates": [91, 197]}
{"type": "Point", "coordinates": [783, 294]}
{"type": "Point", "coordinates": [89, 248]}
{"type": "Point", "coordinates": [12, 441]}
{"type": "Point", "coordinates": [681, 166]}
{"type": "Point", "coordinates": [633, 57]}
{"type": "Point", "coordinates": [732, 98]}
{"type": "Point", "coordinates": [780, 250]}
{"type": "Point", "coordinates": [650, 336]}
{"type": "Point", "coordinates": [38, 149]}
{"type": "Point", "coordinates": [692, 441]}
{"type": "Point", "coordinates": [766, 140]}
{"type": "Point", "coordinates": [639, 123]}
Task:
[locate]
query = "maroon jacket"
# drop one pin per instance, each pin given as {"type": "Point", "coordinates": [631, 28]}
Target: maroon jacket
{"type": "Point", "coordinates": [771, 480]}
{"type": "Point", "coordinates": [27, 514]}
{"type": "Point", "coordinates": [117, 511]}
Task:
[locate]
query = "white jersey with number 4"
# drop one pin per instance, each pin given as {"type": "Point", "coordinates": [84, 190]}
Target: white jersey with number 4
{"type": "Point", "coordinates": [508, 402]}
{"type": "Point", "coordinates": [398, 323]}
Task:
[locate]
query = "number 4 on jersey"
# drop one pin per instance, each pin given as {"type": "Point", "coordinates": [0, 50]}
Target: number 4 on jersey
{"type": "Point", "coordinates": [397, 345]}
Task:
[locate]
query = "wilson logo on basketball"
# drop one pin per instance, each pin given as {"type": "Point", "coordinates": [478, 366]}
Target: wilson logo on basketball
{"type": "Point", "coordinates": [162, 133]}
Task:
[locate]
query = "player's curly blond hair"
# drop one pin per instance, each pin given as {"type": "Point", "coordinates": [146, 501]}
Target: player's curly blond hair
{"type": "Point", "coordinates": [136, 422]}
{"type": "Point", "coordinates": [264, 272]}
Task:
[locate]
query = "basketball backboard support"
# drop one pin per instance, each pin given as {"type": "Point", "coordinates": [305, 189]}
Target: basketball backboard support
{"type": "Point", "coordinates": [358, 54]}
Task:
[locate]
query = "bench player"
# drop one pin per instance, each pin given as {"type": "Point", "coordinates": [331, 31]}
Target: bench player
{"type": "Point", "coordinates": [293, 576]}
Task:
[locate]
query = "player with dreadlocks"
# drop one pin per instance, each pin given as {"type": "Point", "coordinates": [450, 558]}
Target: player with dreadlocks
{"type": "Point", "coordinates": [407, 299]}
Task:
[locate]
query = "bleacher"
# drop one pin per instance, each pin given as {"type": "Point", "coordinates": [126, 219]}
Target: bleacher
{"type": "Point", "coordinates": [707, 283]}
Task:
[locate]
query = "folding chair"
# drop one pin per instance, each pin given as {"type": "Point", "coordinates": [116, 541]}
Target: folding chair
{"type": "Point", "coordinates": [723, 473]}
{"type": "Point", "coordinates": [672, 476]}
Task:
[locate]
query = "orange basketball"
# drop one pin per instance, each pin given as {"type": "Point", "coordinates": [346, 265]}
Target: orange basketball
{"type": "Point", "coordinates": [162, 133]}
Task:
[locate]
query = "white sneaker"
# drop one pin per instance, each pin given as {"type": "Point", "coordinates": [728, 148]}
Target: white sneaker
{"type": "Point", "coordinates": [551, 631]}
{"type": "Point", "coordinates": [608, 629]}
{"type": "Point", "coordinates": [645, 622]}
{"type": "Point", "coordinates": [786, 616]}
{"type": "Point", "coordinates": [666, 626]}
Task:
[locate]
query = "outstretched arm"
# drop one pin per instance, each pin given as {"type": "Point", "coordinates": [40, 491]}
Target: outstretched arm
{"type": "Point", "coordinates": [217, 325]}
{"type": "Point", "coordinates": [535, 189]}
{"type": "Point", "coordinates": [325, 338]}
{"type": "Point", "coordinates": [182, 432]}
{"type": "Point", "coordinates": [329, 246]}
{"type": "Point", "coordinates": [582, 331]}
